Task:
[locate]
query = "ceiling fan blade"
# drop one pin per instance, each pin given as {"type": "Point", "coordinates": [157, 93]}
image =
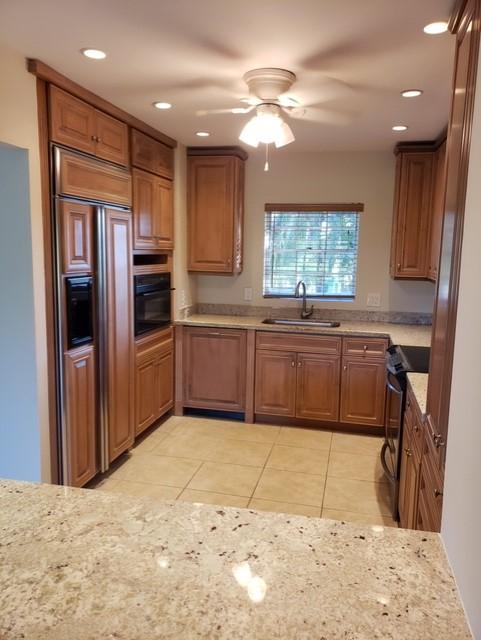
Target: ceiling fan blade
{"type": "Point", "coordinates": [234, 110]}
{"type": "Point", "coordinates": [324, 116]}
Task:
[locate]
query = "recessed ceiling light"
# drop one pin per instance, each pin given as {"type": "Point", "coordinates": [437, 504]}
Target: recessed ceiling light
{"type": "Point", "coordinates": [162, 105]}
{"type": "Point", "coordinates": [435, 28]}
{"type": "Point", "coordinates": [411, 93]}
{"type": "Point", "coordinates": [399, 127]}
{"type": "Point", "coordinates": [203, 134]}
{"type": "Point", "coordinates": [95, 54]}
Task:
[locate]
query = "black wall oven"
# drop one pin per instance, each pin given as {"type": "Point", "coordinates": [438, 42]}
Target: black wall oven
{"type": "Point", "coordinates": [399, 361]}
{"type": "Point", "coordinates": [152, 295]}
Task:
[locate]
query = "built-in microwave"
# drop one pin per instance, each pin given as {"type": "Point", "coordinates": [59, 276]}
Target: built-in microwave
{"type": "Point", "coordinates": [152, 296]}
{"type": "Point", "coordinates": [79, 311]}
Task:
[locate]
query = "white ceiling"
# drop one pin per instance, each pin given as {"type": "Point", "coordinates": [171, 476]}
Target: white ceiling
{"type": "Point", "coordinates": [352, 58]}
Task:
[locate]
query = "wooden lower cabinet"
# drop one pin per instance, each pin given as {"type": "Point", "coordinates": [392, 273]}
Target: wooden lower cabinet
{"type": "Point", "coordinates": [409, 481]}
{"type": "Point", "coordinates": [154, 379]}
{"type": "Point", "coordinates": [80, 416]}
{"type": "Point", "coordinates": [301, 385]}
{"type": "Point", "coordinates": [318, 380]}
{"type": "Point", "coordinates": [275, 383]}
{"type": "Point", "coordinates": [363, 391]}
{"type": "Point", "coordinates": [214, 368]}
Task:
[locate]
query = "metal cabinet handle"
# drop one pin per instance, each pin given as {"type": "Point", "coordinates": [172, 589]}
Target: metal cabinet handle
{"type": "Point", "coordinates": [214, 333]}
{"type": "Point", "coordinates": [416, 427]}
{"type": "Point", "coordinates": [438, 440]}
{"type": "Point", "coordinates": [437, 493]}
{"type": "Point", "coordinates": [399, 265]}
{"type": "Point", "coordinates": [293, 364]}
{"type": "Point", "coordinates": [408, 452]}
{"type": "Point", "coordinates": [299, 364]}
{"type": "Point", "coordinates": [365, 347]}
{"type": "Point", "coordinates": [94, 138]}
{"type": "Point", "coordinates": [345, 367]}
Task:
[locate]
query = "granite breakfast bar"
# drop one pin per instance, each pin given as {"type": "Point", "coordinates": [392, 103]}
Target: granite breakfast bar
{"type": "Point", "coordinates": [82, 565]}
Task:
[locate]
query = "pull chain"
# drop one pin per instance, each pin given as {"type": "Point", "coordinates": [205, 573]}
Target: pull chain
{"type": "Point", "coordinates": [266, 166]}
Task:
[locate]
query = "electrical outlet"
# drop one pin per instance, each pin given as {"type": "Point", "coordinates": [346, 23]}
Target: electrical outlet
{"type": "Point", "coordinates": [373, 299]}
{"type": "Point", "coordinates": [248, 293]}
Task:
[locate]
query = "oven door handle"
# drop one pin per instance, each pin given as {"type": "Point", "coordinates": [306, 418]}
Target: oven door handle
{"type": "Point", "coordinates": [392, 388]}
{"type": "Point", "coordinates": [387, 470]}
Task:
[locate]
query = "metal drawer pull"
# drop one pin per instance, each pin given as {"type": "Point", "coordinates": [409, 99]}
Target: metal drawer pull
{"type": "Point", "coordinates": [299, 364]}
{"type": "Point", "coordinates": [438, 441]}
{"type": "Point", "coordinates": [437, 493]}
{"type": "Point", "coordinates": [213, 333]}
{"type": "Point", "coordinates": [365, 347]}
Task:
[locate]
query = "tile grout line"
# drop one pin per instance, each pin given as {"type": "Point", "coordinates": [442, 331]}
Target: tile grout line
{"type": "Point", "coordinates": [262, 472]}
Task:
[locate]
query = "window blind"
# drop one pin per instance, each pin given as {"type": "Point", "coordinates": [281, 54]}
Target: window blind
{"type": "Point", "coordinates": [318, 247]}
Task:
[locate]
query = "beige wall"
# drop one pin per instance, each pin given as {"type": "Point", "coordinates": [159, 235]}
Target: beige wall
{"type": "Point", "coordinates": [185, 285]}
{"type": "Point", "coordinates": [18, 127]}
{"type": "Point", "coordinates": [461, 526]}
{"type": "Point", "coordinates": [366, 177]}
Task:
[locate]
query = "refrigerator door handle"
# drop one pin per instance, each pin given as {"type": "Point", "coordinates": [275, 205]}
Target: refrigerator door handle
{"type": "Point", "coordinates": [102, 319]}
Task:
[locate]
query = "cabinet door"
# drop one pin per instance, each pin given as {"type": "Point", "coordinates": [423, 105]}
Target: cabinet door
{"type": "Point", "coordinates": [120, 332]}
{"type": "Point", "coordinates": [72, 122]}
{"type": "Point", "coordinates": [412, 215]}
{"type": "Point", "coordinates": [151, 155]}
{"type": "Point", "coordinates": [363, 391]}
{"type": "Point", "coordinates": [164, 214]}
{"type": "Point", "coordinates": [437, 212]}
{"type": "Point", "coordinates": [211, 213]}
{"type": "Point", "coordinates": [275, 383]}
{"type": "Point", "coordinates": [164, 383]}
{"type": "Point", "coordinates": [145, 392]}
{"type": "Point", "coordinates": [145, 197]}
{"type": "Point", "coordinates": [76, 228]}
{"type": "Point", "coordinates": [112, 139]}
{"type": "Point", "coordinates": [408, 483]}
{"type": "Point", "coordinates": [214, 368]}
{"type": "Point", "coordinates": [318, 380]}
{"type": "Point", "coordinates": [81, 426]}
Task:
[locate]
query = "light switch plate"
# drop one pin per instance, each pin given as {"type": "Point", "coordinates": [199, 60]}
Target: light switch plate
{"type": "Point", "coordinates": [373, 299]}
{"type": "Point", "coordinates": [248, 293]}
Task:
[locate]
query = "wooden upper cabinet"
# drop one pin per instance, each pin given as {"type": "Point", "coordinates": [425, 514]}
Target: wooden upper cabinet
{"type": "Point", "coordinates": [275, 383]}
{"type": "Point", "coordinates": [151, 155]}
{"type": "Point", "coordinates": [215, 212]}
{"type": "Point", "coordinates": [76, 230]}
{"type": "Point", "coordinates": [153, 211]}
{"type": "Point", "coordinates": [437, 212]}
{"type": "Point", "coordinates": [214, 368]}
{"type": "Point", "coordinates": [72, 121]}
{"type": "Point", "coordinates": [77, 124]}
{"type": "Point", "coordinates": [412, 214]}
{"type": "Point", "coordinates": [318, 381]}
{"type": "Point", "coordinates": [80, 416]}
{"type": "Point", "coordinates": [112, 141]}
{"type": "Point", "coordinates": [363, 391]}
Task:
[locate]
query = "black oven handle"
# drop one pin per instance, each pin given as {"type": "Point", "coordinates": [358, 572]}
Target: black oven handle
{"type": "Point", "coordinates": [392, 388]}
{"type": "Point", "coordinates": [387, 470]}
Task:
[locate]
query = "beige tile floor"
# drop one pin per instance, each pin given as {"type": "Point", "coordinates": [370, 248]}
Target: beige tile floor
{"type": "Point", "coordinates": [271, 468]}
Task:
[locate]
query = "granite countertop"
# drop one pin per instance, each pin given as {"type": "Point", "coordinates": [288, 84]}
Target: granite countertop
{"type": "Point", "coordinates": [419, 385]}
{"type": "Point", "coordinates": [407, 334]}
{"type": "Point", "coordinates": [83, 565]}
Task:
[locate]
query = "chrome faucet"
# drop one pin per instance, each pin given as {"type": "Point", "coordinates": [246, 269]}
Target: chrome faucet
{"type": "Point", "coordinates": [304, 313]}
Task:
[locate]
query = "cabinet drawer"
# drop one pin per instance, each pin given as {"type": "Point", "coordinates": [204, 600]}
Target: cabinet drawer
{"type": "Point", "coordinates": [162, 341]}
{"type": "Point", "coordinates": [367, 347]}
{"type": "Point", "coordinates": [297, 342]}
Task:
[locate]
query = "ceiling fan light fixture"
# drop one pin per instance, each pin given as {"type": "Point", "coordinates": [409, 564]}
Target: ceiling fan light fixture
{"type": "Point", "coordinates": [267, 127]}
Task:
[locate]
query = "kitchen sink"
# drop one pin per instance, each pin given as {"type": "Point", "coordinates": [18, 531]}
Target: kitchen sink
{"type": "Point", "coordinates": [302, 323]}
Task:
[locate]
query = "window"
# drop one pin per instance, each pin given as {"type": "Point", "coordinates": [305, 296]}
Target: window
{"type": "Point", "coordinates": [314, 243]}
